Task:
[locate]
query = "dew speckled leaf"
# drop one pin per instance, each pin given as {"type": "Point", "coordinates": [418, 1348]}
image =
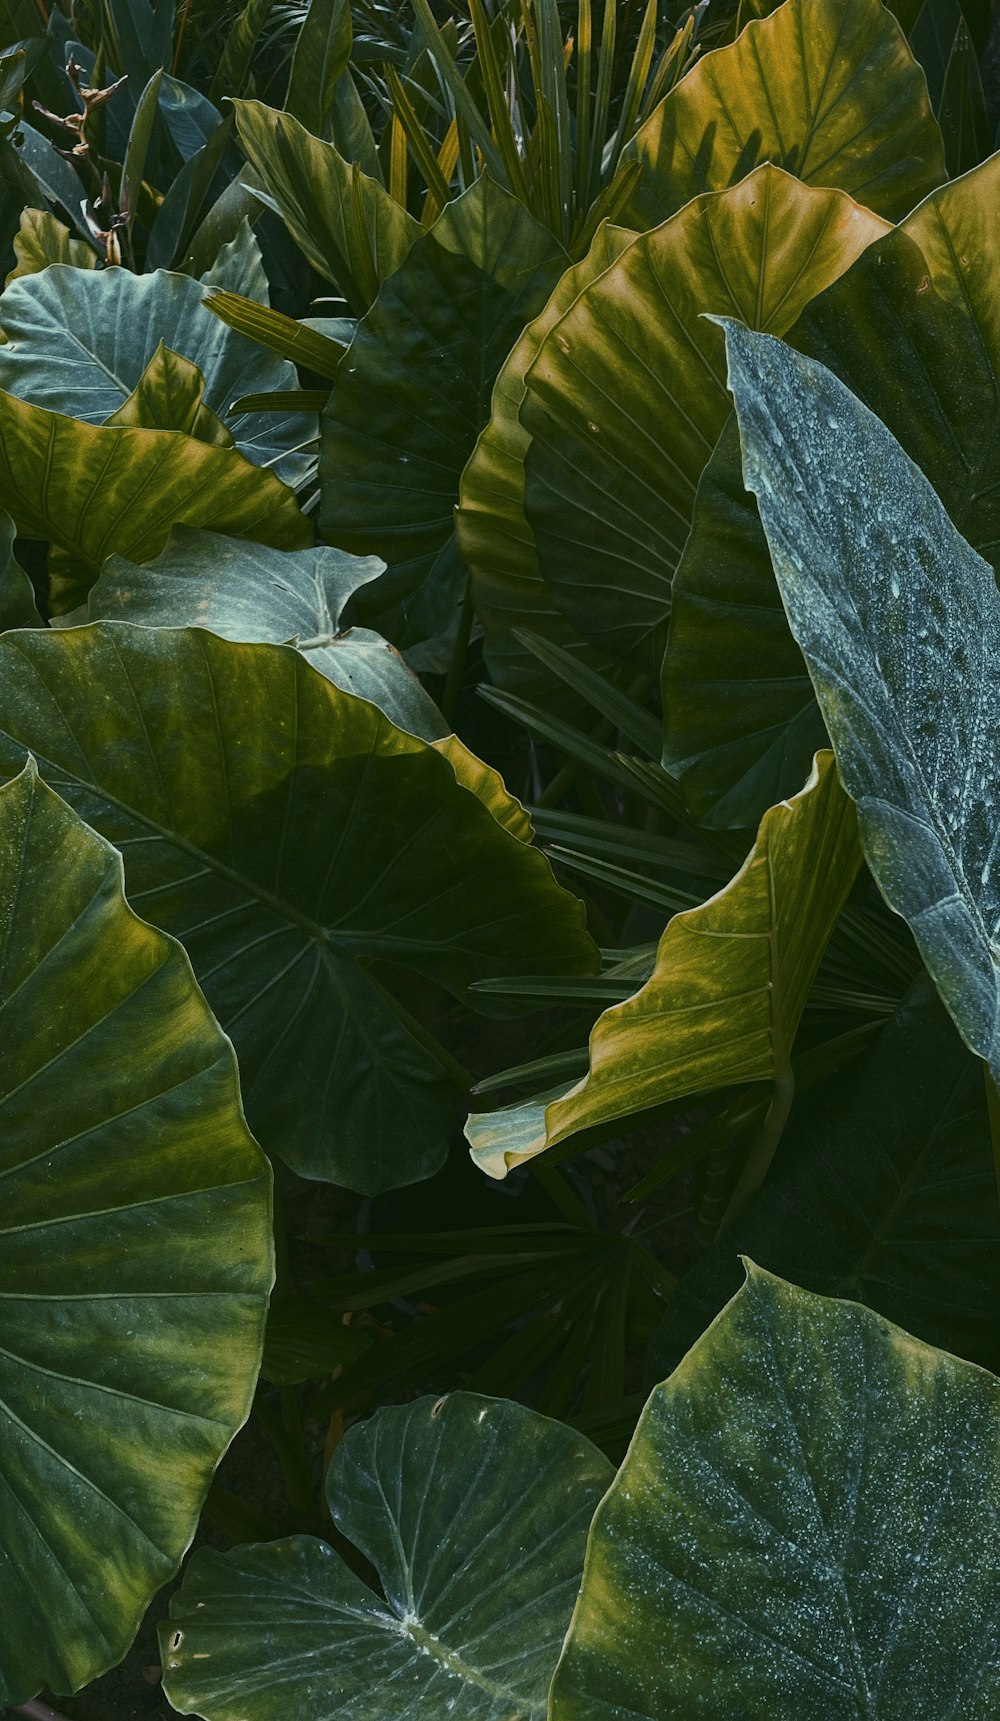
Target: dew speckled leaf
{"type": "Point", "coordinates": [807, 1523]}
{"type": "Point", "coordinates": [135, 1251]}
{"type": "Point", "coordinates": [727, 991]}
{"type": "Point", "coordinates": [312, 838]}
{"type": "Point", "coordinates": [830, 93]}
{"type": "Point", "coordinates": [473, 1511]}
{"type": "Point", "coordinates": [913, 329]}
{"type": "Point", "coordinates": [78, 341]}
{"type": "Point", "coordinates": [899, 621]}
{"type": "Point", "coordinates": [248, 592]}
{"type": "Point", "coordinates": [626, 397]}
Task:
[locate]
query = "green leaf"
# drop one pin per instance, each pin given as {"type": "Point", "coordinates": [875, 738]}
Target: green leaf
{"type": "Point", "coordinates": [831, 94]}
{"type": "Point", "coordinates": [965, 126]}
{"type": "Point", "coordinates": [292, 339]}
{"type": "Point", "coordinates": [914, 330]}
{"type": "Point", "coordinates": [42, 240]}
{"type": "Point", "coordinates": [493, 536]}
{"type": "Point", "coordinates": [805, 1524]}
{"type": "Point", "coordinates": [247, 592]}
{"type": "Point", "coordinates": [322, 55]}
{"type": "Point", "coordinates": [883, 1190]}
{"type": "Point", "coordinates": [899, 622]}
{"type": "Point", "coordinates": [306, 1342]}
{"type": "Point", "coordinates": [473, 1512]}
{"type": "Point", "coordinates": [347, 225]}
{"type": "Point", "coordinates": [17, 597]}
{"type": "Point", "coordinates": [313, 839]}
{"type": "Point", "coordinates": [626, 399]}
{"type": "Point", "coordinates": [79, 340]}
{"type": "Point", "coordinates": [135, 1251]}
{"type": "Point", "coordinates": [414, 389]}
{"type": "Point", "coordinates": [728, 988]}
{"type": "Point", "coordinates": [170, 395]}
{"type": "Point", "coordinates": [96, 490]}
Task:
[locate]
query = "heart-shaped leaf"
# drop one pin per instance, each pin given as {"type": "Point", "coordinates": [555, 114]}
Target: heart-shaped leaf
{"type": "Point", "coordinates": [474, 1513]}
{"type": "Point", "coordinates": [249, 592]}
{"type": "Point", "coordinates": [807, 1523]}
{"type": "Point", "coordinates": [135, 1251]}
{"type": "Point", "coordinates": [313, 840]}
{"type": "Point", "coordinates": [899, 622]}
{"type": "Point", "coordinates": [726, 993]}
{"type": "Point", "coordinates": [831, 93]}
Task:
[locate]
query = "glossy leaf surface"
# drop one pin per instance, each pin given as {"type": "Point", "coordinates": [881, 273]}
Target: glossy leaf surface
{"type": "Point", "coordinates": [473, 1511]}
{"type": "Point", "coordinates": [135, 1251]}
{"type": "Point", "coordinates": [899, 622]}
{"type": "Point", "coordinates": [807, 1523]}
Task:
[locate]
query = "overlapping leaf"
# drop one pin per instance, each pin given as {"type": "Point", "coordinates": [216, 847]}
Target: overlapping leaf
{"type": "Point", "coordinates": [135, 1251]}
{"type": "Point", "coordinates": [727, 991]}
{"type": "Point", "coordinates": [899, 622]}
{"type": "Point", "coordinates": [807, 1523]}
{"type": "Point", "coordinates": [493, 536]}
{"type": "Point", "coordinates": [413, 392]}
{"type": "Point", "coordinates": [347, 224]}
{"type": "Point", "coordinates": [913, 328]}
{"type": "Point", "coordinates": [626, 397]}
{"type": "Point", "coordinates": [830, 93]}
{"type": "Point", "coordinates": [96, 490]}
{"type": "Point", "coordinates": [291, 836]}
{"type": "Point", "coordinates": [248, 592]}
{"type": "Point", "coordinates": [474, 1513]}
{"type": "Point", "coordinates": [78, 341]}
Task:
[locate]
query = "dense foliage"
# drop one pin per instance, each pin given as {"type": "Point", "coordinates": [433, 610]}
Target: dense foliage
{"type": "Point", "coordinates": [500, 859]}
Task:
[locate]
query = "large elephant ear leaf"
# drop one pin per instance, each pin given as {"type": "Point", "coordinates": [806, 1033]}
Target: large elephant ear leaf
{"type": "Point", "coordinates": [913, 329]}
{"type": "Point", "coordinates": [316, 852]}
{"type": "Point", "coordinates": [830, 93]}
{"type": "Point", "coordinates": [807, 1523]}
{"type": "Point", "coordinates": [899, 623]}
{"type": "Point", "coordinates": [727, 990]}
{"type": "Point", "coordinates": [96, 490]}
{"type": "Point", "coordinates": [626, 397]}
{"type": "Point", "coordinates": [474, 1513]}
{"type": "Point", "coordinates": [135, 1251]}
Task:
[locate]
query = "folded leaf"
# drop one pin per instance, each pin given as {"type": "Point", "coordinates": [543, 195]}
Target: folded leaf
{"type": "Point", "coordinates": [135, 1251]}
{"type": "Point", "coordinates": [95, 490]}
{"type": "Point", "coordinates": [807, 1523]}
{"type": "Point", "coordinates": [899, 622]}
{"type": "Point", "coordinates": [727, 991]}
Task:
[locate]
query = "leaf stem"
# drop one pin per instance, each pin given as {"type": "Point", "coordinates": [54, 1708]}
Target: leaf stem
{"type": "Point", "coordinates": [456, 670]}
{"type": "Point", "coordinates": [763, 1150]}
